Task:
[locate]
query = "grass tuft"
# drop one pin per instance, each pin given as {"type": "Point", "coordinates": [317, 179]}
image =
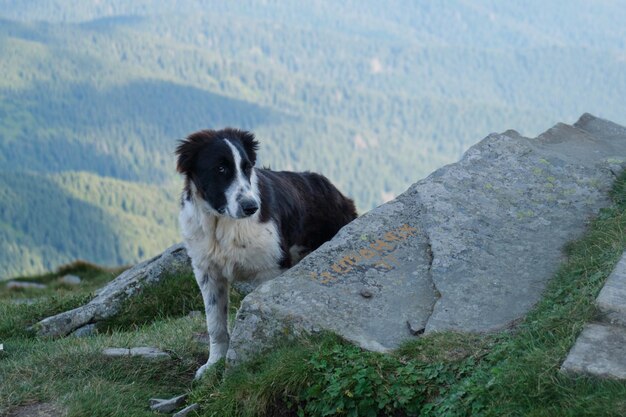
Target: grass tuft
{"type": "Point", "coordinates": [174, 296]}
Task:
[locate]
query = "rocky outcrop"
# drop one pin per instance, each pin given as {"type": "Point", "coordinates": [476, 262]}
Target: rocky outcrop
{"type": "Point", "coordinates": [110, 298]}
{"type": "Point", "coordinates": [470, 248]}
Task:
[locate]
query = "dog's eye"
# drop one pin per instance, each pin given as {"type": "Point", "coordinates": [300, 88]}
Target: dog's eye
{"type": "Point", "coordinates": [221, 170]}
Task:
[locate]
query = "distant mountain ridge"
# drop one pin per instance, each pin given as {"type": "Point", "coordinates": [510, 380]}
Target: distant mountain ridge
{"type": "Point", "coordinates": [374, 97]}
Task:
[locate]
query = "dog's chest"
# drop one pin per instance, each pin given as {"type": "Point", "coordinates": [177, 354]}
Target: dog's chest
{"type": "Point", "coordinates": [235, 249]}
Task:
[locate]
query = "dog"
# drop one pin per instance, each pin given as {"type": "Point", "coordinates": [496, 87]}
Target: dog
{"type": "Point", "coordinates": [242, 223]}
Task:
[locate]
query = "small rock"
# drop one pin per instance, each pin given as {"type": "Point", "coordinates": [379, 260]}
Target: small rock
{"type": "Point", "coordinates": [243, 287]}
{"type": "Point", "coordinates": [365, 293]}
{"type": "Point", "coordinates": [143, 351]}
{"type": "Point", "coordinates": [25, 301]}
{"type": "Point", "coordinates": [114, 352]}
{"type": "Point", "coordinates": [600, 350]}
{"type": "Point", "coordinates": [24, 284]}
{"type": "Point", "coordinates": [70, 279]}
{"type": "Point", "coordinates": [415, 329]}
{"type": "Point", "coordinates": [86, 330]}
{"type": "Point", "coordinates": [612, 298]}
{"type": "Point", "coordinates": [149, 353]}
{"type": "Point", "coordinates": [167, 405]}
{"type": "Point", "coordinates": [194, 313]}
{"type": "Point", "coordinates": [186, 410]}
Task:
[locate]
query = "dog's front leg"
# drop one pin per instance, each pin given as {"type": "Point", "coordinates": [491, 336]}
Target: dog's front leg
{"type": "Point", "coordinates": [215, 295]}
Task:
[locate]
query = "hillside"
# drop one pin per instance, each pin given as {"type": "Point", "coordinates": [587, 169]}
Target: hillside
{"type": "Point", "coordinates": [57, 218]}
{"type": "Point", "coordinates": [373, 97]}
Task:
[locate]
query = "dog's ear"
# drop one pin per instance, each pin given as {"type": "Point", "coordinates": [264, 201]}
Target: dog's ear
{"type": "Point", "coordinates": [188, 149]}
{"type": "Point", "coordinates": [186, 156]}
{"type": "Point", "coordinates": [250, 145]}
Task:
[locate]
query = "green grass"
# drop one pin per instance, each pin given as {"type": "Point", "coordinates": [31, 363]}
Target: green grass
{"type": "Point", "coordinates": [326, 375]}
{"type": "Point", "coordinates": [92, 277]}
{"type": "Point", "coordinates": [23, 307]}
{"type": "Point", "coordinates": [71, 372]}
{"type": "Point", "coordinates": [174, 296]}
{"type": "Point", "coordinates": [511, 373]}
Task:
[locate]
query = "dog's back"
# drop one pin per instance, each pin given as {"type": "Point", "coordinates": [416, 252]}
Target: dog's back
{"type": "Point", "coordinates": [306, 207]}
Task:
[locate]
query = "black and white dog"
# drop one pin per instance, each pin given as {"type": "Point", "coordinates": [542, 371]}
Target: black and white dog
{"type": "Point", "coordinates": [245, 223]}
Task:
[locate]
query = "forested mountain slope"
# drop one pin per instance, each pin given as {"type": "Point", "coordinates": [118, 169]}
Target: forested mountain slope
{"type": "Point", "coordinates": [374, 96]}
{"type": "Point", "coordinates": [52, 219]}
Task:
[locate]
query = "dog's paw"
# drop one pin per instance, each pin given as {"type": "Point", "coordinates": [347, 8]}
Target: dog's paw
{"type": "Point", "coordinates": [216, 363]}
{"type": "Point", "coordinates": [200, 372]}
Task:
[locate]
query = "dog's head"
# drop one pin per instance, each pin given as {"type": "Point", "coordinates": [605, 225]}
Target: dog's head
{"type": "Point", "coordinates": [219, 171]}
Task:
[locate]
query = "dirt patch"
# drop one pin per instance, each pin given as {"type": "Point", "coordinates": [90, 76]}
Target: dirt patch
{"type": "Point", "coordinates": [37, 410]}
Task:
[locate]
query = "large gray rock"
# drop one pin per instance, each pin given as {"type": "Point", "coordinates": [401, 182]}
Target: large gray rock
{"type": "Point", "coordinates": [469, 248]}
{"type": "Point", "coordinates": [110, 298]}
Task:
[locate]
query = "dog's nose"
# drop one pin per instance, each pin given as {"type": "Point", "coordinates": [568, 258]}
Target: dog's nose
{"type": "Point", "coordinates": [249, 207]}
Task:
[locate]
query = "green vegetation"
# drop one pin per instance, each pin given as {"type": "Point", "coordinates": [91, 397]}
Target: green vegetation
{"type": "Point", "coordinates": [22, 307]}
{"type": "Point", "coordinates": [175, 296]}
{"type": "Point", "coordinates": [56, 218]}
{"type": "Point", "coordinates": [71, 372]}
{"type": "Point", "coordinates": [374, 97]}
{"type": "Point", "coordinates": [327, 376]}
{"type": "Point", "coordinates": [510, 373]}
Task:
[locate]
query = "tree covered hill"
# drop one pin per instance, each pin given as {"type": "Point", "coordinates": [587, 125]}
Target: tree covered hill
{"type": "Point", "coordinates": [374, 96]}
{"type": "Point", "coordinates": [54, 219]}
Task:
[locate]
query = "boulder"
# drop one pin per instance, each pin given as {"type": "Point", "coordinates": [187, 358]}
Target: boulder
{"type": "Point", "coordinates": [110, 298]}
{"type": "Point", "coordinates": [469, 248]}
